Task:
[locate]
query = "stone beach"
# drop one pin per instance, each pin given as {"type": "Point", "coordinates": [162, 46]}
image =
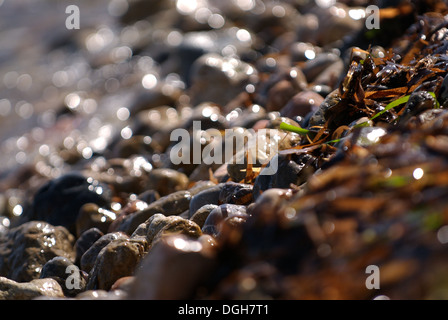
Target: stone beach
{"type": "Point", "coordinates": [95, 206]}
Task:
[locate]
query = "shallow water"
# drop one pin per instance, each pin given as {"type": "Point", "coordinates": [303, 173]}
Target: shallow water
{"type": "Point", "coordinates": [41, 61]}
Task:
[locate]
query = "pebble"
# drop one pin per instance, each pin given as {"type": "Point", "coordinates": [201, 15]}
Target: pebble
{"type": "Point", "coordinates": [301, 104]}
{"type": "Point", "coordinates": [65, 272]}
{"type": "Point", "coordinates": [12, 290]}
{"type": "Point", "coordinates": [159, 225]}
{"type": "Point", "coordinates": [123, 175]}
{"type": "Point", "coordinates": [172, 204]}
{"type": "Point", "coordinates": [167, 181]}
{"type": "Point", "coordinates": [58, 202]}
{"type": "Point", "coordinates": [218, 79]}
{"type": "Point", "coordinates": [212, 225]}
{"type": "Point", "coordinates": [207, 196]}
{"type": "Point", "coordinates": [92, 216]}
{"type": "Point", "coordinates": [117, 259]}
{"type": "Point", "coordinates": [85, 241]}
{"type": "Point", "coordinates": [159, 276]}
{"type": "Point", "coordinates": [236, 193]}
{"type": "Point", "coordinates": [26, 248]}
{"type": "Point", "coordinates": [292, 170]}
{"type": "Point", "coordinates": [200, 215]}
{"type": "Point", "coordinates": [89, 257]}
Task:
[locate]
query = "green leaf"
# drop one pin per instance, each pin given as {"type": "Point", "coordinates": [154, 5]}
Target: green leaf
{"type": "Point", "coordinates": [391, 105]}
{"type": "Point", "coordinates": [402, 100]}
{"type": "Point", "coordinates": [333, 141]}
{"type": "Point", "coordinates": [291, 128]}
{"type": "Point", "coordinates": [362, 124]}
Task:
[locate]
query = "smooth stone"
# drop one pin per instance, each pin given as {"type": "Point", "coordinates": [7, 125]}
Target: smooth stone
{"type": "Point", "coordinates": [117, 259]}
{"type": "Point", "coordinates": [149, 196]}
{"type": "Point", "coordinates": [159, 225]}
{"type": "Point", "coordinates": [26, 248]}
{"type": "Point", "coordinates": [313, 68]}
{"type": "Point", "coordinates": [12, 290]}
{"type": "Point", "coordinates": [291, 169]}
{"type": "Point", "coordinates": [92, 216]}
{"type": "Point", "coordinates": [301, 104]}
{"type": "Point", "coordinates": [201, 186]}
{"type": "Point", "coordinates": [128, 175]}
{"type": "Point", "coordinates": [202, 213]}
{"type": "Point", "coordinates": [60, 269]}
{"type": "Point", "coordinates": [89, 257]}
{"type": "Point", "coordinates": [419, 101]}
{"type": "Point", "coordinates": [207, 196]}
{"type": "Point", "coordinates": [270, 234]}
{"type": "Point", "coordinates": [167, 181]}
{"type": "Point", "coordinates": [173, 204]}
{"type": "Point", "coordinates": [218, 79]}
{"type": "Point", "coordinates": [218, 215]}
{"type": "Point", "coordinates": [319, 116]}
{"type": "Point", "coordinates": [85, 241]}
{"type": "Point", "coordinates": [136, 145]}
{"type": "Point", "coordinates": [173, 269]}
{"type": "Point", "coordinates": [279, 94]}
{"type": "Point", "coordinates": [236, 193]}
{"type": "Point", "coordinates": [58, 202]}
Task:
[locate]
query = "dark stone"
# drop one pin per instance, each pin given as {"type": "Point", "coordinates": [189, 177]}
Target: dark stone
{"type": "Point", "coordinates": [221, 213]}
{"type": "Point", "coordinates": [26, 248]}
{"type": "Point", "coordinates": [292, 169]}
{"type": "Point", "coordinates": [58, 202]}
{"type": "Point", "coordinates": [89, 257]}
{"type": "Point", "coordinates": [60, 269]}
{"type": "Point", "coordinates": [236, 193]}
{"type": "Point", "coordinates": [173, 204]}
{"type": "Point", "coordinates": [85, 241]}
{"type": "Point", "coordinates": [207, 196]}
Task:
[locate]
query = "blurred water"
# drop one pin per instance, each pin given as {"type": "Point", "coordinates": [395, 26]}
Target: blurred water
{"type": "Point", "coordinates": [40, 61]}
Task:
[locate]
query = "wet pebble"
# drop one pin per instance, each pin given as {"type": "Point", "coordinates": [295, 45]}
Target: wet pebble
{"type": "Point", "coordinates": [135, 145]}
{"type": "Point", "coordinates": [159, 225]}
{"type": "Point", "coordinates": [225, 212]}
{"type": "Point", "coordinates": [236, 193]}
{"type": "Point", "coordinates": [122, 175]}
{"type": "Point", "coordinates": [92, 216]}
{"type": "Point", "coordinates": [207, 196]}
{"type": "Point", "coordinates": [419, 101]}
{"type": "Point", "coordinates": [117, 259]}
{"type": "Point", "coordinates": [202, 213]}
{"type": "Point", "coordinates": [319, 116]}
{"type": "Point", "coordinates": [12, 290]}
{"type": "Point", "coordinates": [26, 248]}
{"type": "Point", "coordinates": [218, 79]}
{"type": "Point", "coordinates": [89, 257]}
{"type": "Point", "coordinates": [85, 241]}
{"type": "Point", "coordinates": [159, 276]}
{"type": "Point", "coordinates": [173, 204]}
{"type": "Point", "coordinates": [58, 202]}
{"type": "Point", "coordinates": [301, 104]}
{"type": "Point", "coordinates": [166, 181]}
{"type": "Point", "coordinates": [291, 170]}
{"type": "Point", "coordinates": [68, 275]}
{"type": "Point", "coordinates": [279, 94]}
